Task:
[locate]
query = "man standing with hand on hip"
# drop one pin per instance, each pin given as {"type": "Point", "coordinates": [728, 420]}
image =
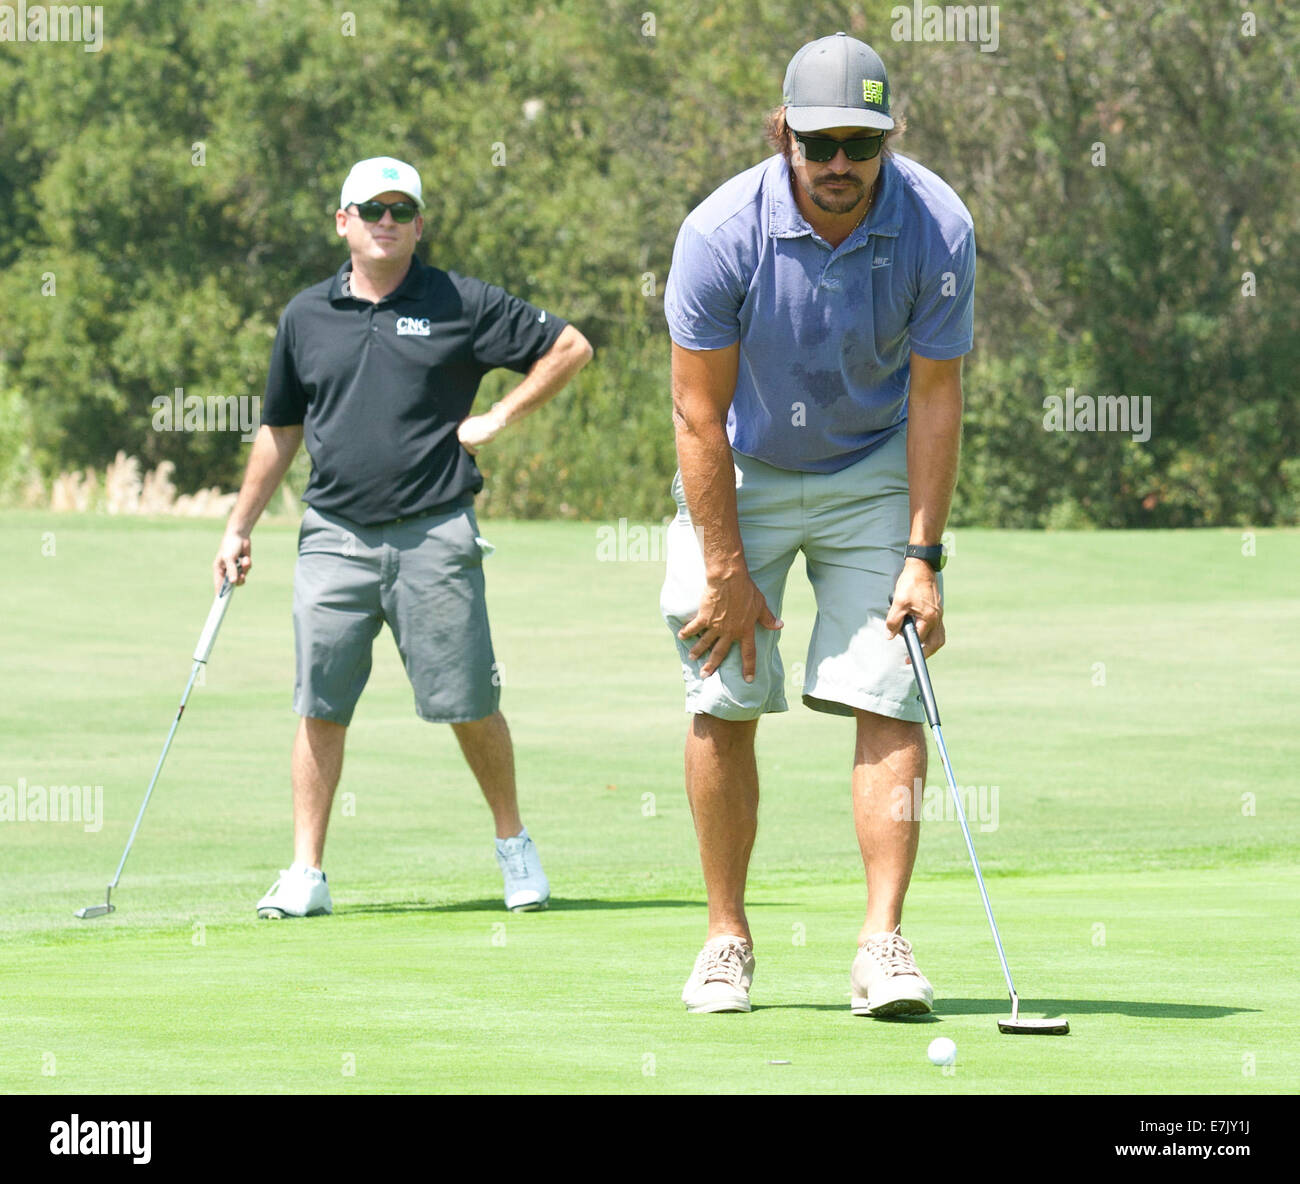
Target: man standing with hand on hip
{"type": "Point", "coordinates": [819, 306]}
{"type": "Point", "coordinates": [377, 369]}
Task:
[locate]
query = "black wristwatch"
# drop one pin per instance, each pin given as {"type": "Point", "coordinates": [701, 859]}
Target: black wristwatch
{"type": "Point", "coordinates": [935, 556]}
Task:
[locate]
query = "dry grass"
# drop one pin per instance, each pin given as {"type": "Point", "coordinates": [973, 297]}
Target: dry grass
{"type": "Point", "coordinates": [124, 490]}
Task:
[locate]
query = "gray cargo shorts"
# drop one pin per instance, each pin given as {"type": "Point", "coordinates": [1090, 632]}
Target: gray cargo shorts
{"type": "Point", "coordinates": [424, 576]}
{"type": "Point", "coordinates": [852, 527]}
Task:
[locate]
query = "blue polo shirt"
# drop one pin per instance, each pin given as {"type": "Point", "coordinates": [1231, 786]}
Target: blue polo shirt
{"type": "Point", "coordinates": [825, 334]}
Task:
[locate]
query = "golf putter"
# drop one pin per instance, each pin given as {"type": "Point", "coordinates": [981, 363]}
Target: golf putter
{"type": "Point", "coordinates": [1057, 1025]}
{"type": "Point", "coordinates": [201, 652]}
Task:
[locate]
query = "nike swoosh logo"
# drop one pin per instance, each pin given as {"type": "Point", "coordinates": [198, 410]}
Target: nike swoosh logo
{"type": "Point", "coordinates": [541, 319]}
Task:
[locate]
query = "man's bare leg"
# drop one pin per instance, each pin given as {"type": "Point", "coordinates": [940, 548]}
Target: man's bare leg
{"type": "Point", "coordinates": [317, 763]}
{"type": "Point", "coordinates": [491, 757]}
{"type": "Point", "coordinates": [889, 753]}
{"type": "Point", "coordinates": [722, 786]}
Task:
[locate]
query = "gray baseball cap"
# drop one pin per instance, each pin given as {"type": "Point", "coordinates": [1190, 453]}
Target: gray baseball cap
{"type": "Point", "coordinates": [836, 82]}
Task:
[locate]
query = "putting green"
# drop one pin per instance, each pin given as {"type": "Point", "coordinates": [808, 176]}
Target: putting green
{"type": "Point", "coordinates": [1119, 705]}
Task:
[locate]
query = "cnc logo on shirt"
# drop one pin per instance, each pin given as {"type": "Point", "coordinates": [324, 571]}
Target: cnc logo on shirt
{"type": "Point", "coordinates": [412, 326]}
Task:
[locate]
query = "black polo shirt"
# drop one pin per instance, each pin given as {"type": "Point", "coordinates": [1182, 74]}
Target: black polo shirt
{"type": "Point", "coordinates": [381, 388]}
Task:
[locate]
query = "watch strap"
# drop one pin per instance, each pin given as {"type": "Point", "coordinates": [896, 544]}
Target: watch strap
{"type": "Point", "coordinates": [933, 555]}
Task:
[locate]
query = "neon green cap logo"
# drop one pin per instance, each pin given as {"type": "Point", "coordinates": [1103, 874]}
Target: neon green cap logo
{"type": "Point", "coordinates": [873, 90]}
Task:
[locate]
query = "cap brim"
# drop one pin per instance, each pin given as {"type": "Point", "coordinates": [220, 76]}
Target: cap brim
{"type": "Point", "coordinates": [816, 119]}
{"type": "Point", "coordinates": [377, 192]}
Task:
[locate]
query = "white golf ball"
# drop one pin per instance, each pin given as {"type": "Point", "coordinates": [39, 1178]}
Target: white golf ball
{"type": "Point", "coordinates": [942, 1051]}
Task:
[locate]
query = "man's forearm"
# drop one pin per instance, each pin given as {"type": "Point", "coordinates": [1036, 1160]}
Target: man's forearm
{"type": "Point", "coordinates": [933, 450]}
{"type": "Point", "coordinates": [272, 454]}
{"type": "Point", "coordinates": [548, 376]}
{"type": "Point", "coordinates": [709, 484]}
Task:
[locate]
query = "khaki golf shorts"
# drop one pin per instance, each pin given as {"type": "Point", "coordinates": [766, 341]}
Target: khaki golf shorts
{"type": "Point", "coordinates": [424, 577]}
{"type": "Point", "coordinates": [852, 527]}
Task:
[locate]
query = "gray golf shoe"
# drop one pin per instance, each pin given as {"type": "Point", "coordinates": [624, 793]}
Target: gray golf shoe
{"type": "Point", "coordinates": [885, 979]}
{"type": "Point", "coordinates": [723, 974]}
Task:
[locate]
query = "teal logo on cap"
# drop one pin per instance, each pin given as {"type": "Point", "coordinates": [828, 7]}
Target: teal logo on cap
{"type": "Point", "coordinates": [389, 173]}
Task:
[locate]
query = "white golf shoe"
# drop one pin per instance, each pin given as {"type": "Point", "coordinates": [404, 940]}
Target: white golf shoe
{"type": "Point", "coordinates": [723, 974]}
{"type": "Point", "coordinates": [885, 979]}
{"type": "Point", "coordinates": [300, 891]}
{"type": "Point", "coordinates": [526, 886]}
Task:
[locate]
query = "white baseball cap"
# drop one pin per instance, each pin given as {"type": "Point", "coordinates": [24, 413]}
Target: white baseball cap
{"type": "Point", "coordinates": [378, 175]}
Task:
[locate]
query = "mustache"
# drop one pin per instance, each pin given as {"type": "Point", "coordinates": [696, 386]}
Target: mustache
{"type": "Point", "coordinates": [837, 177]}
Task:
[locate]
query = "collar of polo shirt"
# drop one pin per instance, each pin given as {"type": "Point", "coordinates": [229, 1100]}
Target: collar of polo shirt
{"type": "Point", "coordinates": [785, 221]}
{"type": "Point", "coordinates": [410, 285]}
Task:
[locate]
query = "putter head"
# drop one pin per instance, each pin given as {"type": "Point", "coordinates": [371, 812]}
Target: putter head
{"type": "Point", "coordinates": [100, 910]}
{"type": "Point", "coordinates": [1019, 1025]}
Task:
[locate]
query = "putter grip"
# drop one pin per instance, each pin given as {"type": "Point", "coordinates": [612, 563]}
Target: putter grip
{"type": "Point", "coordinates": [213, 623]}
{"type": "Point", "coordinates": [912, 640]}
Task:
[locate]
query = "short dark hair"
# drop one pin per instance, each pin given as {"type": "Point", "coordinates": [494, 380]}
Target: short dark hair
{"type": "Point", "coordinates": [778, 134]}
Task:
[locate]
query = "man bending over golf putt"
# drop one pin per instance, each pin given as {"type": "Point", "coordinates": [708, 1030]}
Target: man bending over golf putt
{"type": "Point", "coordinates": [819, 306]}
{"type": "Point", "coordinates": [377, 370]}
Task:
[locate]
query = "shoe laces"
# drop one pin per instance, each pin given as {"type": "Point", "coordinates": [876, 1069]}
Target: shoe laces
{"type": "Point", "coordinates": [724, 962]}
{"type": "Point", "coordinates": [515, 858]}
{"type": "Point", "coordinates": [287, 873]}
{"type": "Point", "coordinates": [279, 883]}
{"type": "Point", "coordinates": [893, 952]}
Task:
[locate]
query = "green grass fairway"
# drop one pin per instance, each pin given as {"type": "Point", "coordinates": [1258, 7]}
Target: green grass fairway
{"type": "Point", "coordinates": [1127, 703]}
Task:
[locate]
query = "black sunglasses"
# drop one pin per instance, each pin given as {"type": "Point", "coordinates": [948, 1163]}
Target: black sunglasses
{"type": "Point", "coordinates": [373, 211]}
{"type": "Point", "coordinates": [820, 149]}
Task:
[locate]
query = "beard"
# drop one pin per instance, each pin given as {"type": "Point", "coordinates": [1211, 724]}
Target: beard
{"type": "Point", "coordinates": [837, 201]}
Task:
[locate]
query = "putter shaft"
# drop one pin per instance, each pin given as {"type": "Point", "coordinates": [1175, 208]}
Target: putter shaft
{"type": "Point", "coordinates": [979, 875]}
{"type": "Point", "coordinates": [912, 640]}
{"type": "Point", "coordinates": [201, 651]}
